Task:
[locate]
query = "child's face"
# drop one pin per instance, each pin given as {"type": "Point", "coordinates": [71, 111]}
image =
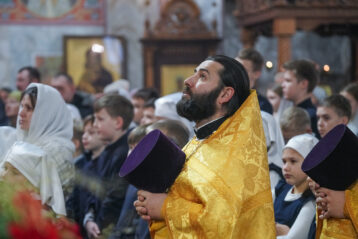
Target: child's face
{"type": "Point", "coordinates": [106, 125]}
{"type": "Point", "coordinates": [138, 105]}
{"type": "Point", "coordinates": [291, 168]}
{"type": "Point", "coordinates": [327, 119]}
{"type": "Point", "coordinates": [90, 138]}
{"type": "Point", "coordinates": [291, 88]}
{"type": "Point", "coordinates": [148, 116]}
{"type": "Point", "coordinates": [274, 99]}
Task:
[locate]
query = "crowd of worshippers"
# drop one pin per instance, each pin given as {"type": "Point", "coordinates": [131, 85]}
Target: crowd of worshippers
{"type": "Point", "coordinates": [88, 137]}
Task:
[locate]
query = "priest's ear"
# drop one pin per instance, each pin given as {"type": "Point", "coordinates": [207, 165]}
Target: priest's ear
{"type": "Point", "coordinates": [225, 95]}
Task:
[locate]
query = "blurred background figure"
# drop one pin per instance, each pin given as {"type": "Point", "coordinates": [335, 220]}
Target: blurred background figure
{"type": "Point", "coordinates": [279, 104]}
{"type": "Point", "coordinates": [12, 107]}
{"type": "Point", "coordinates": [253, 61]}
{"type": "Point", "coordinates": [148, 113]}
{"type": "Point", "coordinates": [294, 121]}
{"type": "Point", "coordinates": [83, 101]}
{"type": "Point", "coordinates": [275, 144]}
{"type": "Point", "coordinates": [25, 76]}
{"type": "Point", "coordinates": [139, 99]}
{"type": "Point", "coordinates": [350, 92]}
{"type": "Point", "coordinates": [7, 138]}
{"type": "Point", "coordinates": [318, 95]}
{"type": "Point", "coordinates": [165, 108]}
{"type": "Point", "coordinates": [4, 93]}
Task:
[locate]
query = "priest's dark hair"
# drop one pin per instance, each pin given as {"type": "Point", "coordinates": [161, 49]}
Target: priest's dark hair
{"type": "Point", "coordinates": [234, 75]}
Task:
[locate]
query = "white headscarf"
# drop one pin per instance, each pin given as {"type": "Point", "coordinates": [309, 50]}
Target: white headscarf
{"type": "Point", "coordinates": [7, 138]}
{"type": "Point", "coordinates": [43, 153]}
{"type": "Point", "coordinates": [302, 143]}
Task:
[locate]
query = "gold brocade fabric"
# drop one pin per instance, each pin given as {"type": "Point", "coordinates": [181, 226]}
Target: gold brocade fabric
{"type": "Point", "coordinates": [223, 190]}
{"type": "Point", "coordinates": [342, 228]}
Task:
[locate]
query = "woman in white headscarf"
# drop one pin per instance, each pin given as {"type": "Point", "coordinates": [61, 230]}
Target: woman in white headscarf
{"type": "Point", "coordinates": [41, 155]}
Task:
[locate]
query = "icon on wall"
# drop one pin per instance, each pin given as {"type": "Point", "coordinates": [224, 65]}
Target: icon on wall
{"type": "Point", "coordinates": [95, 61]}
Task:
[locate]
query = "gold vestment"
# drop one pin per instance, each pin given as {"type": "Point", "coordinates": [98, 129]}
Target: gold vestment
{"type": "Point", "coordinates": [342, 228]}
{"type": "Point", "coordinates": [223, 190]}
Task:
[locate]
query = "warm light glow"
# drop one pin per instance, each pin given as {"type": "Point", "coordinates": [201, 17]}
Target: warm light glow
{"type": "Point", "coordinates": [326, 68]}
{"type": "Point", "coordinates": [269, 64]}
{"type": "Point", "coordinates": [97, 48]}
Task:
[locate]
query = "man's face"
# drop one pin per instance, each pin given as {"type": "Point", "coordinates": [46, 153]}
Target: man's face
{"type": "Point", "coordinates": [327, 119]}
{"type": "Point", "coordinates": [290, 86]}
{"type": "Point", "coordinates": [23, 80]}
{"type": "Point", "coordinates": [138, 105]}
{"type": "Point", "coordinates": [201, 91]}
{"type": "Point", "coordinates": [66, 89]}
{"type": "Point", "coordinates": [253, 75]}
{"type": "Point", "coordinates": [106, 125]}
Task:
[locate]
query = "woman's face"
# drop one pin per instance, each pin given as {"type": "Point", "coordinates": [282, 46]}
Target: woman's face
{"type": "Point", "coordinates": [12, 107]}
{"type": "Point", "coordinates": [25, 113]}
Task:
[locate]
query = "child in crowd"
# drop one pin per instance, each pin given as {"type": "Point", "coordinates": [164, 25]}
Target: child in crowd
{"type": "Point", "coordinates": [139, 99]}
{"type": "Point", "coordinates": [294, 203]}
{"type": "Point", "coordinates": [279, 104]}
{"type": "Point", "coordinates": [148, 113]}
{"type": "Point", "coordinates": [129, 224]}
{"type": "Point", "coordinates": [113, 115]}
{"type": "Point", "coordinates": [334, 110]}
{"type": "Point", "coordinates": [350, 92]}
{"type": "Point", "coordinates": [93, 147]}
{"type": "Point", "coordinates": [77, 138]}
{"type": "Point", "coordinates": [12, 105]}
{"type": "Point", "coordinates": [294, 121]}
{"type": "Point", "coordinates": [300, 78]}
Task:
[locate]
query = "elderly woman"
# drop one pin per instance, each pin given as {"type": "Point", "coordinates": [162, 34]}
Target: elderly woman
{"type": "Point", "coordinates": [39, 158]}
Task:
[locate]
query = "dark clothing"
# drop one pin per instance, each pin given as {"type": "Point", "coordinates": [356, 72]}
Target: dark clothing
{"type": "Point", "coordinates": [206, 130]}
{"type": "Point", "coordinates": [84, 102]}
{"type": "Point", "coordinates": [311, 110]}
{"type": "Point", "coordinates": [286, 212]}
{"type": "Point", "coordinates": [75, 206]}
{"type": "Point", "coordinates": [108, 199]}
{"type": "Point", "coordinates": [3, 118]}
{"type": "Point", "coordinates": [130, 225]}
{"type": "Point", "coordinates": [265, 105]}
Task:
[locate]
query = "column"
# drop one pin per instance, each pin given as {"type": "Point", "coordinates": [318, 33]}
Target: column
{"type": "Point", "coordinates": [283, 29]}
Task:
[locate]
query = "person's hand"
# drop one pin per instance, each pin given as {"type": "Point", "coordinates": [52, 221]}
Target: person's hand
{"type": "Point", "coordinates": [313, 186]}
{"type": "Point", "coordinates": [149, 205]}
{"type": "Point", "coordinates": [331, 203]}
{"type": "Point", "coordinates": [281, 229]}
{"type": "Point", "coordinates": [92, 229]}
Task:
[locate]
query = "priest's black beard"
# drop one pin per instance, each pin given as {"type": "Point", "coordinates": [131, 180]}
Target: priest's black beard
{"type": "Point", "coordinates": [199, 106]}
